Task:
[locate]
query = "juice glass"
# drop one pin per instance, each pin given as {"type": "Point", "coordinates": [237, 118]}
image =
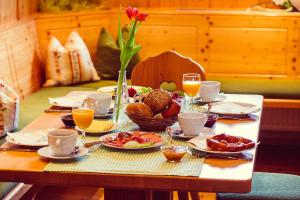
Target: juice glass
{"type": "Point", "coordinates": [191, 84]}
{"type": "Point", "coordinates": [83, 117]}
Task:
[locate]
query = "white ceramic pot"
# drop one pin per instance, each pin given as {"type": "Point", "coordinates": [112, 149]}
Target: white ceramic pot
{"type": "Point", "coordinates": [296, 4]}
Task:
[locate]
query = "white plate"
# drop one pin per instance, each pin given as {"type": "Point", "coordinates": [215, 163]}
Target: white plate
{"type": "Point", "coordinates": [219, 98]}
{"type": "Point", "coordinates": [10, 140]}
{"type": "Point", "coordinates": [204, 131]}
{"type": "Point", "coordinates": [94, 132]}
{"type": "Point", "coordinates": [111, 89]}
{"type": "Point", "coordinates": [233, 108]}
{"type": "Point", "coordinates": [201, 146]}
{"type": "Point", "coordinates": [124, 148]}
{"type": "Point", "coordinates": [68, 101]}
{"type": "Point", "coordinates": [46, 152]}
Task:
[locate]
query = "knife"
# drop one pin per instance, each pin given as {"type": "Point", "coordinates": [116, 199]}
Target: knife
{"type": "Point", "coordinates": [17, 149]}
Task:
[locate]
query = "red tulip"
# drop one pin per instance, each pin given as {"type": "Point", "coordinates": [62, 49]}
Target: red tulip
{"type": "Point", "coordinates": [142, 17]}
{"type": "Point", "coordinates": [132, 12]}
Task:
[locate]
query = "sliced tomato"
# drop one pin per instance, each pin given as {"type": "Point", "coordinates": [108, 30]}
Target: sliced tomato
{"type": "Point", "coordinates": [152, 137]}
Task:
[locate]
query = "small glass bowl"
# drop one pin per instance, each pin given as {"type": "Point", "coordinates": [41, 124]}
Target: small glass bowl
{"type": "Point", "coordinates": [67, 119]}
{"type": "Point", "coordinates": [211, 120]}
{"type": "Point", "coordinates": [174, 153]}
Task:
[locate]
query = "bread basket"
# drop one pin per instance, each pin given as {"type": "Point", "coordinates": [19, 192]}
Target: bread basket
{"type": "Point", "coordinates": [152, 124]}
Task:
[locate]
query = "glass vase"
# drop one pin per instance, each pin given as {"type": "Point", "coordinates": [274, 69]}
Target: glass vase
{"type": "Point", "coordinates": [122, 98]}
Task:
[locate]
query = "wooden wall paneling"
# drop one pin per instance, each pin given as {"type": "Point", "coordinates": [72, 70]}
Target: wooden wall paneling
{"type": "Point", "coordinates": [204, 39]}
{"type": "Point", "coordinates": [162, 32]}
{"type": "Point", "coordinates": [7, 73]}
{"type": "Point", "coordinates": [292, 53]}
{"type": "Point", "coordinates": [227, 44]}
{"type": "Point", "coordinates": [13, 10]}
{"type": "Point", "coordinates": [247, 50]}
{"type": "Point", "coordinates": [26, 8]}
{"type": "Point", "coordinates": [7, 11]}
{"type": "Point", "coordinates": [162, 38]}
{"type": "Point", "coordinates": [26, 58]}
{"type": "Point", "coordinates": [213, 4]}
{"type": "Point", "coordinates": [20, 62]}
{"type": "Point", "coordinates": [88, 26]}
{"type": "Point", "coordinates": [248, 45]}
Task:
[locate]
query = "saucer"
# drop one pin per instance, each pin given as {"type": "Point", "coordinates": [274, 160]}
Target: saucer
{"type": "Point", "coordinates": [46, 152]}
{"type": "Point", "coordinates": [205, 131]}
{"type": "Point", "coordinates": [109, 114]}
{"type": "Point", "coordinates": [219, 98]}
{"type": "Point", "coordinates": [96, 131]}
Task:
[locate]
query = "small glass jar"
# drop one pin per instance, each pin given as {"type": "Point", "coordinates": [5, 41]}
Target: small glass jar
{"type": "Point", "coordinates": [174, 153]}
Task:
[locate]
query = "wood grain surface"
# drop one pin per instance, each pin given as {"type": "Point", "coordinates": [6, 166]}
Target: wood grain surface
{"type": "Point", "coordinates": [20, 64]}
{"type": "Point", "coordinates": [165, 67]}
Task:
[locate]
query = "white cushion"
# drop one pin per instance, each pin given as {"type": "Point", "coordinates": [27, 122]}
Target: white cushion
{"type": "Point", "coordinates": [71, 64]}
{"type": "Point", "coordinates": [9, 108]}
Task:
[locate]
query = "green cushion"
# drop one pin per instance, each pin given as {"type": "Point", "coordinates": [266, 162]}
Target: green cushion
{"type": "Point", "coordinates": [98, 84]}
{"type": "Point", "coordinates": [268, 88]}
{"type": "Point", "coordinates": [35, 104]}
{"type": "Point", "coordinates": [107, 61]}
{"type": "Point", "coordinates": [269, 186]}
{"type": "Point", "coordinates": [5, 188]}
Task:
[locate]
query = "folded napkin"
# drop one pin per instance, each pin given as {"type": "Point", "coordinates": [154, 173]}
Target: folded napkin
{"type": "Point", "coordinates": [199, 142]}
{"type": "Point", "coordinates": [35, 138]}
{"type": "Point", "coordinates": [234, 108]}
{"type": "Point", "coordinates": [68, 101]}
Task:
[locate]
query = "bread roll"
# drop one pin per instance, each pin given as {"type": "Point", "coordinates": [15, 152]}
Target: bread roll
{"type": "Point", "coordinates": [139, 109]}
{"type": "Point", "coordinates": [157, 100]}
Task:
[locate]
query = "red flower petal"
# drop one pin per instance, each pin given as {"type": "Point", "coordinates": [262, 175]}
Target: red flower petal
{"type": "Point", "coordinates": [135, 12]}
{"type": "Point", "coordinates": [129, 12]}
{"type": "Point", "coordinates": [142, 16]}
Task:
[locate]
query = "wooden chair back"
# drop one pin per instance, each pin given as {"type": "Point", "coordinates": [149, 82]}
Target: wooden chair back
{"type": "Point", "coordinates": [168, 66]}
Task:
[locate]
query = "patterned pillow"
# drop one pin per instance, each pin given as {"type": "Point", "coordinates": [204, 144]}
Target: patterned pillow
{"type": "Point", "coordinates": [9, 109]}
{"type": "Point", "coordinates": [71, 64]}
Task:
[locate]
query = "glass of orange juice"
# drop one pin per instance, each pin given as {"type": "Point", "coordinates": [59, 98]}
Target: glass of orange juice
{"type": "Point", "coordinates": [191, 83]}
{"type": "Point", "coordinates": [83, 117]}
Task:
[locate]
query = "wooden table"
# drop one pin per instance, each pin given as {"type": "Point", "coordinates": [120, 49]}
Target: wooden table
{"type": "Point", "coordinates": [217, 175]}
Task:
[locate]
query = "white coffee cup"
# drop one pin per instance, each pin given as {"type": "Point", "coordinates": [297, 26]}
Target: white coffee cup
{"type": "Point", "coordinates": [209, 90]}
{"type": "Point", "coordinates": [100, 103]}
{"type": "Point", "coordinates": [62, 141]}
{"type": "Point", "coordinates": [192, 123]}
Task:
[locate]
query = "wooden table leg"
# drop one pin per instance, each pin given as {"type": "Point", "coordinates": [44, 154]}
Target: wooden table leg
{"type": "Point", "coordinates": [183, 195]}
{"type": "Point", "coordinates": [162, 195]}
{"type": "Point", "coordinates": [113, 194]}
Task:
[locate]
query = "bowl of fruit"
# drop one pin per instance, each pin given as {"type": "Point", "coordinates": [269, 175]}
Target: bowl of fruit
{"type": "Point", "coordinates": [157, 111]}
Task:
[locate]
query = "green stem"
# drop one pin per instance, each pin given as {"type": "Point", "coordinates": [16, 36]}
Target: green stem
{"type": "Point", "coordinates": [124, 62]}
{"type": "Point", "coordinates": [119, 90]}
